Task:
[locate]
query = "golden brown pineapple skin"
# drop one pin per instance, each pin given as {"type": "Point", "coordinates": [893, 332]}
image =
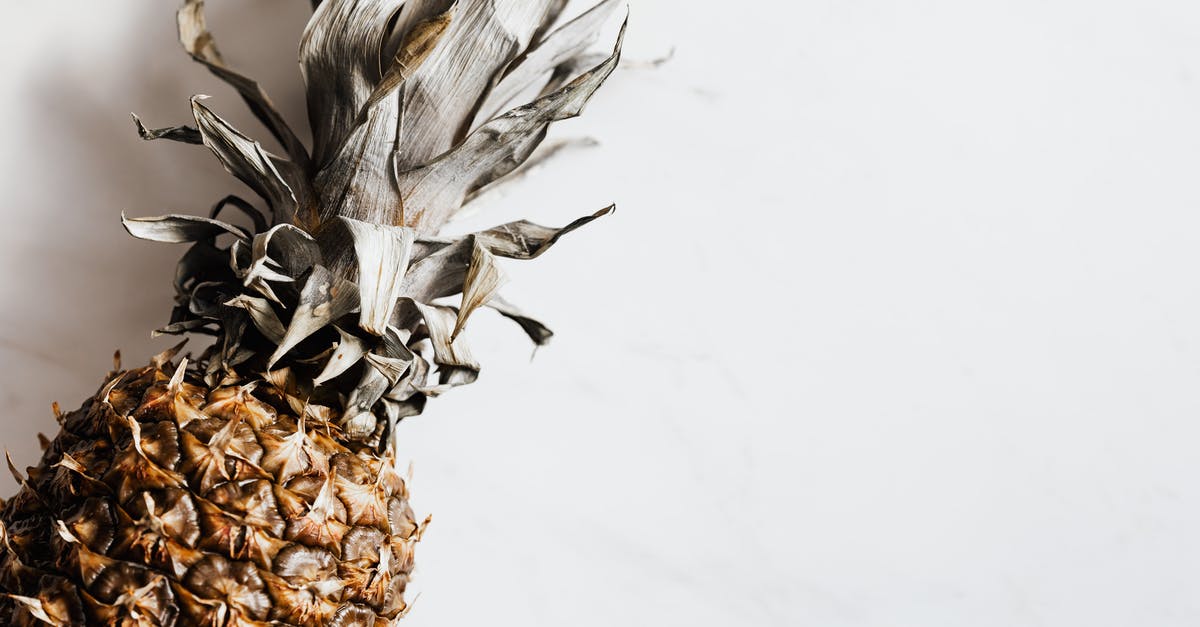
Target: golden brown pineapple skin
{"type": "Point", "coordinates": [164, 502]}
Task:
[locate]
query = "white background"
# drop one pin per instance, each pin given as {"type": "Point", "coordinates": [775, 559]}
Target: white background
{"type": "Point", "coordinates": [898, 321]}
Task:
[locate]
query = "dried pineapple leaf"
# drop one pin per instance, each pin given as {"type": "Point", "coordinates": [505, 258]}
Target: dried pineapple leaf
{"type": "Point", "coordinates": [198, 325]}
{"type": "Point", "coordinates": [525, 240]}
{"type": "Point", "coordinates": [185, 134]}
{"type": "Point", "coordinates": [287, 247]}
{"type": "Point", "coordinates": [246, 159]}
{"type": "Point", "coordinates": [256, 216]}
{"type": "Point", "coordinates": [413, 382]}
{"type": "Point", "coordinates": [538, 332]}
{"type": "Point", "coordinates": [255, 274]}
{"type": "Point", "coordinates": [441, 98]}
{"type": "Point", "coordinates": [199, 43]}
{"type": "Point", "coordinates": [484, 278]}
{"type": "Point", "coordinates": [392, 358]}
{"type": "Point", "coordinates": [495, 149]}
{"type": "Point", "coordinates": [416, 46]}
{"type": "Point", "coordinates": [178, 229]}
{"type": "Point", "coordinates": [441, 273]}
{"type": "Point", "coordinates": [389, 362]}
{"type": "Point", "coordinates": [350, 349]}
{"type": "Point", "coordinates": [340, 62]}
{"type": "Point", "coordinates": [383, 254]}
{"type": "Point", "coordinates": [439, 320]}
{"type": "Point", "coordinates": [413, 13]}
{"type": "Point", "coordinates": [359, 181]}
{"type": "Point", "coordinates": [161, 360]}
{"type": "Point", "coordinates": [358, 422]}
{"type": "Point", "coordinates": [444, 272]}
{"type": "Point", "coordinates": [538, 62]}
{"type": "Point", "coordinates": [262, 314]}
{"type": "Point", "coordinates": [324, 299]}
{"type": "Point", "coordinates": [390, 367]}
{"type": "Point", "coordinates": [202, 259]}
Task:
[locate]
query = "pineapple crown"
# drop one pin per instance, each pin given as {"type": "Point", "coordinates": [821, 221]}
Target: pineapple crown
{"type": "Point", "coordinates": [343, 288]}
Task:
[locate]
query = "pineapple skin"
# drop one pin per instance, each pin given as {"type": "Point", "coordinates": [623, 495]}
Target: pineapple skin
{"type": "Point", "coordinates": [165, 502]}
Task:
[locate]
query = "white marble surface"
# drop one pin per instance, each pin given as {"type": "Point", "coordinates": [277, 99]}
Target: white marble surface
{"type": "Point", "coordinates": [898, 322]}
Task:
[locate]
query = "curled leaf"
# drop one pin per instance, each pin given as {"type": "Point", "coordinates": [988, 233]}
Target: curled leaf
{"type": "Point", "coordinates": [199, 43]}
{"type": "Point", "coordinates": [484, 277]}
{"type": "Point", "coordinates": [526, 240]}
{"type": "Point", "coordinates": [449, 87]}
{"type": "Point", "coordinates": [184, 134]}
{"type": "Point", "coordinates": [324, 299]}
{"type": "Point", "coordinates": [538, 332]}
{"type": "Point", "coordinates": [539, 61]}
{"type": "Point", "coordinates": [382, 253]}
{"type": "Point", "coordinates": [245, 159]}
{"type": "Point", "coordinates": [262, 314]}
{"type": "Point", "coordinates": [350, 348]}
{"type": "Point", "coordinates": [177, 229]}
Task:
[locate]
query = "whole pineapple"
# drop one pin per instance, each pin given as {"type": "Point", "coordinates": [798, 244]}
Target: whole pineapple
{"type": "Point", "coordinates": [255, 483]}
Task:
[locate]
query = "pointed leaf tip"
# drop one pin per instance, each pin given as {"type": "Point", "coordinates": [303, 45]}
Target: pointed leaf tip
{"type": "Point", "coordinates": [178, 229]}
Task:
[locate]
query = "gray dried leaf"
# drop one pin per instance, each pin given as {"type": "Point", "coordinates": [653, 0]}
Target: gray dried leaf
{"type": "Point", "coordinates": [286, 247]}
{"type": "Point", "coordinates": [177, 229]}
{"type": "Point", "coordinates": [206, 298]}
{"type": "Point", "coordinates": [539, 62]}
{"type": "Point", "coordinates": [391, 357]}
{"type": "Point", "coordinates": [399, 410]}
{"type": "Point", "coordinates": [525, 240]}
{"type": "Point", "coordinates": [441, 273]}
{"type": "Point", "coordinates": [242, 262]}
{"type": "Point", "coordinates": [359, 182]}
{"type": "Point", "coordinates": [262, 314]}
{"type": "Point", "coordinates": [184, 134]}
{"type": "Point", "coordinates": [413, 13]}
{"type": "Point", "coordinates": [418, 42]}
{"type": "Point", "coordinates": [439, 320]}
{"type": "Point", "coordinates": [350, 348]}
{"type": "Point", "coordinates": [324, 299]}
{"type": "Point", "coordinates": [197, 325]}
{"type": "Point", "coordinates": [441, 97]}
{"type": "Point", "coordinates": [340, 61]}
{"type": "Point", "coordinates": [538, 332]}
{"type": "Point", "coordinates": [390, 367]}
{"type": "Point", "coordinates": [202, 258]}
{"type": "Point", "coordinates": [382, 254]}
{"type": "Point", "coordinates": [246, 159]}
{"type": "Point", "coordinates": [494, 149]}
{"type": "Point", "coordinates": [233, 325]}
{"type": "Point", "coordinates": [444, 272]}
{"type": "Point", "coordinates": [359, 422]}
{"type": "Point", "coordinates": [484, 278]}
{"type": "Point", "coordinates": [256, 216]}
{"type": "Point", "coordinates": [199, 43]}
{"type": "Point", "coordinates": [414, 382]}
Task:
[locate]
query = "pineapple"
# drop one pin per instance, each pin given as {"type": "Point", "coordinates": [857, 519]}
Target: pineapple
{"type": "Point", "coordinates": [255, 482]}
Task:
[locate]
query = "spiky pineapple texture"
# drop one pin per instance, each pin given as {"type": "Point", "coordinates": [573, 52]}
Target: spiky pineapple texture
{"type": "Point", "coordinates": [255, 483]}
{"type": "Point", "coordinates": [164, 502]}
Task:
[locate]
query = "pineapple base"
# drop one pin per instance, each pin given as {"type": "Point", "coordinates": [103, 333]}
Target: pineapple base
{"type": "Point", "coordinates": [164, 502]}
